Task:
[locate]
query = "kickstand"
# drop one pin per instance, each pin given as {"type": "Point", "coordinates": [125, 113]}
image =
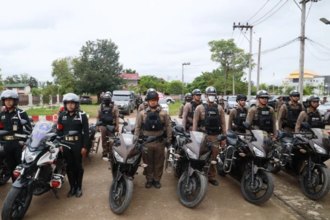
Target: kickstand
{"type": "Point", "coordinates": [55, 193]}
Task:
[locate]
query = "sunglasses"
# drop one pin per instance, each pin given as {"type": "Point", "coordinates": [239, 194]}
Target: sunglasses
{"type": "Point", "coordinates": [295, 96]}
{"type": "Point", "coordinates": [263, 98]}
{"type": "Point", "coordinates": [198, 95]}
{"type": "Point", "coordinates": [153, 100]}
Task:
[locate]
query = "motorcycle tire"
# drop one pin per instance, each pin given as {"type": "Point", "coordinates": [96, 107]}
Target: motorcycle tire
{"type": "Point", "coordinates": [323, 175]}
{"type": "Point", "coordinates": [124, 189]}
{"type": "Point", "coordinates": [4, 176]}
{"type": "Point", "coordinates": [250, 193]}
{"type": "Point", "coordinates": [272, 168]}
{"type": "Point", "coordinates": [19, 198]}
{"type": "Point", "coordinates": [196, 181]}
{"type": "Point", "coordinates": [97, 140]}
{"type": "Point", "coordinates": [220, 170]}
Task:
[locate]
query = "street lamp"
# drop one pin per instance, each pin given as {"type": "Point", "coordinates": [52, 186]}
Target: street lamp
{"type": "Point", "coordinates": [183, 64]}
{"type": "Point", "coordinates": [325, 21]}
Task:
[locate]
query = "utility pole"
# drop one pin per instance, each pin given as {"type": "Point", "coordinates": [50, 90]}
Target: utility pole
{"type": "Point", "coordinates": [258, 74]}
{"type": "Point", "coordinates": [247, 26]}
{"type": "Point", "coordinates": [183, 64]}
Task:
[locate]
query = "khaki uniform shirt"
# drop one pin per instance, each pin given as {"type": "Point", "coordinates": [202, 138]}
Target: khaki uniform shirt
{"type": "Point", "coordinates": [143, 105]}
{"type": "Point", "coordinates": [115, 113]}
{"type": "Point", "coordinates": [283, 114]}
{"type": "Point", "coordinates": [303, 117]}
{"type": "Point", "coordinates": [278, 105]}
{"type": "Point", "coordinates": [200, 115]}
{"type": "Point", "coordinates": [187, 108]}
{"type": "Point", "coordinates": [165, 118]}
{"type": "Point", "coordinates": [253, 115]}
{"type": "Point", "coordinates": [181, 111]}
{"type": "Point", "coordinates": [222, 102]}
{"type": "Point", "coordinates": [231, 119]}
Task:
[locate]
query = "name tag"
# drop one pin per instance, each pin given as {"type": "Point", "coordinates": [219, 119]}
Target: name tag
{"type": "Point", "coordinates": [315, 119]}
{"type": "Point", "coordinates": [212, 112]}
{"type": "Point", "coordinates": [265, 112]}
{"type": "Point", "coordinates": [64, 118]}
{"type": "Point", "coordinates": [3, 117]}
{"type": "Point", "coordinates": [77, 119]}
{"type": "Point", "coordinates": [242, 115]}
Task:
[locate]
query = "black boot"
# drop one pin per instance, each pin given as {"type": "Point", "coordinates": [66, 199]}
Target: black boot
{"type": "Point", "coordinates": [72, 181]}
{"type": "Point", "coordinates": [79, 183]}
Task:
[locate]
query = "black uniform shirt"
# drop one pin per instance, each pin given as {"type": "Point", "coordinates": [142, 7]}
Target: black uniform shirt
{"type": "Point", "coordinates": [9, 119]}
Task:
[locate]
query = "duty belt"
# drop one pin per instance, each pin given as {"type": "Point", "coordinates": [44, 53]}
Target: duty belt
{"type": "Point", "coordinates": [159, 138]}
{"type": "Point", "coordinates": [71, 138]}
{"type": "Point", "coordinates": [10, 138]}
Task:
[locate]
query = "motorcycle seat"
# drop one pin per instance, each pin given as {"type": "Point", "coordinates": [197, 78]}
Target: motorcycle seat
{"type": "Point", "coordinates": [231, 141]}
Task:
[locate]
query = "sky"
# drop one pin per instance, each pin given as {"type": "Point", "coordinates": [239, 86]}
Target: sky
{"type": "Point", "coordinates": [155, 37]}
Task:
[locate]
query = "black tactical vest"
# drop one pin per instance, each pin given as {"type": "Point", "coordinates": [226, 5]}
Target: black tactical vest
{"type": "Point", "coordinates": [315, 120]}
{"type": "Point", "coordinates": [292, 116]}
{"type": "Point", "coordinates": [240, 118]}
{"type": "Point", "coordinates": [193, 108]}
{"type": "Point", "coordinates": [212, 121]}
{"type": "Point", "coordinates": [265, 120]}
{"type": "Point", "coordinates": [107, 115]}
{"type": "Point", "coordinates": [153, 121]}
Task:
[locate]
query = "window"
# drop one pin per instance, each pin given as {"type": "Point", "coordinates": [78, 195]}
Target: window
{"type": "Point", "coordinates": [295, 80]}
{"type": "Point", "coordinates": [21, 89]}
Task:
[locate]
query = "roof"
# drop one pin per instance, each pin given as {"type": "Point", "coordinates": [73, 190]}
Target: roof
{"type": "Point", "coordinates": [130, 76]}
{"type": "Point", "coordinates": [18, 85]}
{"type": "Point", "coordinates": [308, 74]}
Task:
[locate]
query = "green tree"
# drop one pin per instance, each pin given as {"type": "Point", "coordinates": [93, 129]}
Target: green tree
{"type": "Point", "coordinates": [230, 57]}
{"type": "Point", "coordinates": [129, 71]}
{"type": "Point", "coordinates": [148, 82]}
{"type": "Point", "coordinates": [98, 68]}
{"type": "Point", "coordinates": [33, 82]}
{"type": "Point", "coordinates": [9, 80]}
{"type": "Point", "coordinates": [175, 87]}
{"type": "Point", "coordinates": [48, 91]}
{"type": "Point", "coordinates": [63, 74]}
{"type": "Point", "coordinates": [308, 89]}
{"type": "Point", "coordinates": [36, 91]}
{"type": "Point", "coordinates": [288, 89]}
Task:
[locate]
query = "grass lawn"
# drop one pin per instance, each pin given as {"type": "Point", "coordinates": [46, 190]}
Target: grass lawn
{"type": "Point", "coordinates": [174, 108]}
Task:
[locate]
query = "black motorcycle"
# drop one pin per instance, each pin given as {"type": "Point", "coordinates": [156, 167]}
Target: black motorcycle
{"type": "Point", "coordinates": [93, 141]}
{"type": "Point", "coordinates": [189, 159]}
{"type": "Point", "coordinates": [5, 173]}
{"type": "Point", "coordinates": [128, 125]}
{"type": "Point", "coordinates": [40, 171]}
{"type": "Point", "coordinates": [127, 153]}
{"type": "Point", "coordinates": [302, 155]}
{"type": "Point", "coordinates": [244, 159]}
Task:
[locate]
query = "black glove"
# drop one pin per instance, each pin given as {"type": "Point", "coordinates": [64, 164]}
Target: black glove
{"type": "Point", "coordinates": [167, 144]}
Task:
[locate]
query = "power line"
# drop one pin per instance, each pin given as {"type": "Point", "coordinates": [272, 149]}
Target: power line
{"type": "Point", "coordinates": [245, 36]}
{"type": "Point", "coordinates": [308, 11]}
{"type": "Point", "coordinates": [239, 36]}
{"type": "Point", "coordinates": [258, 11]}
{"type": "Point", "coordinates": [271, 14]}
{"type": "Point", "coordinates": [315, 56]}
{"type": "Point", "coordinates": [318, 43]}
{"type": "Point", "coordinates": [317, 47]}
{"type": "Point", "coordinates": [277, 47]}
{"type": "Point", "coordinates": [268, 12]}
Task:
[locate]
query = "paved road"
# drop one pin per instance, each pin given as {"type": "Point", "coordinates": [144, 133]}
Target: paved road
{"type": "Point", "coordinates": [224, 201]}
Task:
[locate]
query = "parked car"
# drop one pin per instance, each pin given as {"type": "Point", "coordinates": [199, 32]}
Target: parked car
{"type": "Point", "coordinates": [231, 103]}
{"type": "Point", "coordinates": [325, 111]}
{"type": "Point", "coordinates": [85, 99]}
{"type": "Point", "coordinates": [252, 102]}
{"type": "Point", "coordinates": [163, 103]}
{"type": "Point", "coordinates": [124, 100]}
{"type": "Point", "coordinates": [169, 100]}
{"type": "Point", "coordinates": [272, 100]}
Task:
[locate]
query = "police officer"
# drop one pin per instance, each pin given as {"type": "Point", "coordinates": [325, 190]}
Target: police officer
{"type": "Point", "coordinates": [210, 117]}
{"type": "Point", "coordinates": [238, 115]}
{"type": "Point", "coordinates": [279, 104]}
{"type": "Point", "coordinates": [311, 115]}
{"type": "Point", "coordinates": [222, 102]}
{"type": "Point", "coordinates": [108, 113]}
{"type": "Point", "coordinates": [324, 100]}
{"type": "Point", "coordinates": [151, 122]}
{"type": "Point", "coordinates": [10, 121]}
{"type": "Point", "coordinates": [288, 114]}
{"type": "Point", "coordinates": [72, 119]}
{"type": "Point", "coordinates": [144, 105]}
{"type": "Point", "coordinates": [189, 109]}
{"type": "Point", "coordinates": [262, 116]}
{"type": "Point", "coordinates": [138, 101]}
{"type": "Point", "coordinates": [187, 98]}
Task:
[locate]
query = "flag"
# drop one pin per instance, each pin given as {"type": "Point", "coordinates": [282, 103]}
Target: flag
{"type": "Point", "coordinates": [273, 74]}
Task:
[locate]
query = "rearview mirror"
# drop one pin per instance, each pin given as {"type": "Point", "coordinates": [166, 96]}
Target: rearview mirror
{"type": "Point", "coordinates": [247, 125]}
{"type": "Point", "coordinates": [221, 137]}
{"type": "Point", "coordinates": [23, 121]}
{"type": "Point", "coordinates": [30, 119]}
{"type": "Point", "coordinates": [3, 132]}
{"type": "Point", "coordinates": [111, 128]}
{"type": "Point", "coordinates": [305, 125]}
{"type": "Point", "coordinates": [98, 123]}
{"type": "Point", "coordinates": [179, 129]}
{"type": "Point", "coordinates": [151, 139]}
{"type": "Point", "coordinates": [121, 116]}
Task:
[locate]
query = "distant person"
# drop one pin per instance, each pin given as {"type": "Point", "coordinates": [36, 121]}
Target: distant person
{"type": "Point", "coordinates": [324, 100]}
{"type": "Point", "coordinates": [279, 104]}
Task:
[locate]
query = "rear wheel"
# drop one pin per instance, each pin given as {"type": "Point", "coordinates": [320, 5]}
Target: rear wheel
{"type": "Point", "coordinates": [120, 198]}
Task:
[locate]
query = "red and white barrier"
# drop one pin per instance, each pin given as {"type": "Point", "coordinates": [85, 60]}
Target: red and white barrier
{"type": "Point", "coordinates": [52, 118]}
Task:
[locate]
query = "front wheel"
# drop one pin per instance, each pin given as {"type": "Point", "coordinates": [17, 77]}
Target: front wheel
{"type": "Point", "coordinates": [220, 167]}
{"type": "Point", "coordinates": [318, 185]}
{"type": "Point", "coordinates": [192, 194]}
{"type": "Point", "coordinates": [120, 198]}
{"type": "Point", "coordinates": [273, 167]}
{"type": "Point", "coordinates": [16, 204]}
{"type": "Point", "coordinates": [259, 190]}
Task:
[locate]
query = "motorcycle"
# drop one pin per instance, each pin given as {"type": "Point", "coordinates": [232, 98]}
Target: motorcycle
{"type": "Point", "coordinates": [127, 153]}
{"type": "Point", "coordinates": [5, 173]}
{"type": "Point", "coordinates": [128, 125]}
{"type": "Point", "coordinates": [302, 155]}
{"type": "Point", "coordinates": [188, 158]}
{"type": "Point", "coordinates": [94, 141]}
{"type": "Point", "coordinates": [244, 159]}
{"type": "Point", "coordinates": [40, 171]}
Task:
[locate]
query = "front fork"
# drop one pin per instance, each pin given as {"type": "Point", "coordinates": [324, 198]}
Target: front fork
{"type": "Point", "coordinates": [118, 176]}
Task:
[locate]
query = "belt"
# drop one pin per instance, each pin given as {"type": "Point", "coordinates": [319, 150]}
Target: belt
{"type": "Point", "coordinates": [9, 138]}
{"type": "Point", "coordinates": [71, 138]}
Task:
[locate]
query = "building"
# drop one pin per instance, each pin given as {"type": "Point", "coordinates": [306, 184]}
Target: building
{"type": "Point", "coordinates": [20, 88]}
{"type": "Point", "coordinates": [132, 79]}
{"type": "Point", "coordinates": [322, 83]}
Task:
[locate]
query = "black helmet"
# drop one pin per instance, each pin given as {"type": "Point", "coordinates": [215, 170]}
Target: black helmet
{"type": "Point", "coordinates": [241, 96]}
{"type": "Point", "coordinates": [151, 95]}
{"type": "Point", "coordinates": [314, 98]}
{"type": "Point", "coordinates": [294, 92]}
{"type": "Point", "coordinates": [151, 89]}
{"type": "Point", "coordinates": [71, 97]}
{"type": "Point", "coordinates": [9, 94]}
{"type": "Point", "coordinates": [188, 96]}
{"type": "Point", "coordinates": [107, 99]}
{"type": "Point", "coordinates": [196, 92]}
{"type": "Point", "coordinates": [262, 94]}
{"type": "Point", "coordinates": [210, 91]}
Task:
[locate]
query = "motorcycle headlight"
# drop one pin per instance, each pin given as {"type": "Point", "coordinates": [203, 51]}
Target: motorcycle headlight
{"type": "Point", "coordinates": [30, 156]}
{"type": "Point", "coordinates": [118, 157]}
{"type": "Point", "coordinates": [133, 159]}
{"type": "Point", "coordinates": [319, 149]}
{"type": "Point", "coordinates": [191, 154]}
{"type": "Point", "coordinates": [258, 152]}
